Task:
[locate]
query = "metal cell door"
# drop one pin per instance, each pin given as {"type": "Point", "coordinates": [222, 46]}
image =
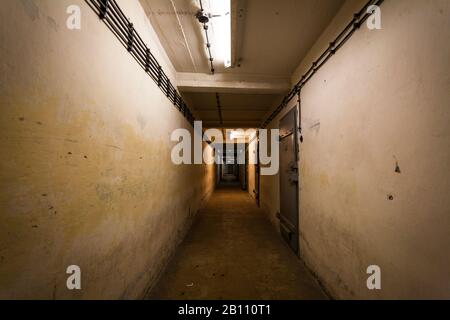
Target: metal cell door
{"type": "Point", "coordinates": [289, 177]}
{"type": "Point", "coordinates": [257, 174]}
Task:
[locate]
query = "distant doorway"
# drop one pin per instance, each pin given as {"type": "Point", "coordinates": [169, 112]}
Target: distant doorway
{"type": "Point", "coordinates": [230, 169]}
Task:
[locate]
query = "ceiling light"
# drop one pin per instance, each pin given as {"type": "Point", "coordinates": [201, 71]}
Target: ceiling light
{"type": "Point", "coordinates": [240, 134]}
{"type": "Point", "coordinates": [221, 12]}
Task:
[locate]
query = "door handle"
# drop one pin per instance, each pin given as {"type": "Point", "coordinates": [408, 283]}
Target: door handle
{"type": "Point", "coordinates": [293, 165]}
{"type": "Point", "coordinates": [293, 177]}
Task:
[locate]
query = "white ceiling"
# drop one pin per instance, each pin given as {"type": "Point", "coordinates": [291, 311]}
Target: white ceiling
{"type": "Point", "coordinates": [272, 38]}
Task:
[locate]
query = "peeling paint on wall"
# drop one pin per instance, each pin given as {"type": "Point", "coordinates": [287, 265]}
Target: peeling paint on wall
{"type": "Point", "coordinates": [87, 178]}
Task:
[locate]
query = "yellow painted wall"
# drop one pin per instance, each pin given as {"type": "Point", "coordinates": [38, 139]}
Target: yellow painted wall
{"type": "Point", "coordinates": [382, 100]}
{"type": "Point", "coordinates": [86, 176]}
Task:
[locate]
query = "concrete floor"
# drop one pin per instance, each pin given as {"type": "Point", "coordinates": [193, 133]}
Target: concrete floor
{"type": "Point", "coordinates": [233, 252]}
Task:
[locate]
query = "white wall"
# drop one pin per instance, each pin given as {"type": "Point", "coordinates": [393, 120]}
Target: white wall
{"type": "Point", "coordinates": [382, 99]}
{"type": "Point", "coordinates": [86, 176]}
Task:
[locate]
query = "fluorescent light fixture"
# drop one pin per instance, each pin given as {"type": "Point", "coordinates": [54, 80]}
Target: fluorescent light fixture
{"type": "Point", "coordinates": [221, 21]}
{"type": "Point", "coordinates": [241, 134]}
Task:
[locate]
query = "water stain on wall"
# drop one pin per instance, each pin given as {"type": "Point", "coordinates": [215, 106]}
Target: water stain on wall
{"type": "Point", "coordinates": [31, 9]}
{"type": "Point", "coordinates": [52, 23]}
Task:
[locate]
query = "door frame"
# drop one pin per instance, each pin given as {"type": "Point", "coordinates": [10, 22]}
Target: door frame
{"type": "Point", "coordinates": [257, 173]}
{"type": "Point", "coordinates": [296, 132]}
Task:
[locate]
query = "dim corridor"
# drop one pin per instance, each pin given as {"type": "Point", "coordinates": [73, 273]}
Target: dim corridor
{"type": "Point", "coordinates": [233, 252]}
{"type": "Point", "coordinates": [136, 135]}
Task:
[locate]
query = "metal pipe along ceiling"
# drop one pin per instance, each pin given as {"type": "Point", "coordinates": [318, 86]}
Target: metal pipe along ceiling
{"type": "Point", "coordinates": [114, 18]}
{"type": "Point", "coordinates": [358, 19]}
{"type": "Point", "coordinates": [208, 43]}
